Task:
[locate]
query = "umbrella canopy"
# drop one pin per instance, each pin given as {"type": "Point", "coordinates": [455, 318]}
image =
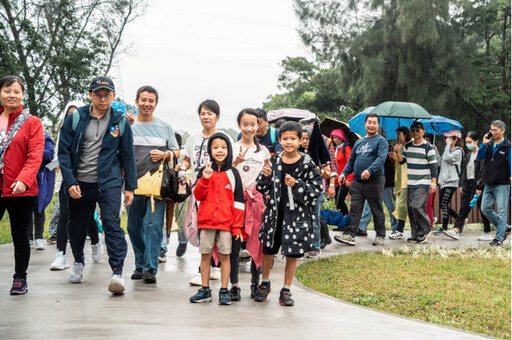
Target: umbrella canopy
{"type": "Point", "coordinates": [289, 114]}
{"type": "Point", "coordinates": [401, 110]}
{"type": "Point", "coordinates": [439, 125]}
{"type": "Point", "coordinates": [123, 107]}
{"type": "Point", "coordinates": [329, 124]}
{"type": "Point", "coordinates": [317, 148]}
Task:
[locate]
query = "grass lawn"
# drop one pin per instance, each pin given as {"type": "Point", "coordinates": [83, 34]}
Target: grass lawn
{"type": "Point", "coordinates": [462, 288]}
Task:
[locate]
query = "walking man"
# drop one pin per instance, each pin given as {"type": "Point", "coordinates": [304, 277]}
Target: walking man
{"type": "Point", "coordinates": [96, 157]}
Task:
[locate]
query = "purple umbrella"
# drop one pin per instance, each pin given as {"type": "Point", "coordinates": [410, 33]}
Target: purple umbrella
{"type": "Point", "coordinates": [289, 114]}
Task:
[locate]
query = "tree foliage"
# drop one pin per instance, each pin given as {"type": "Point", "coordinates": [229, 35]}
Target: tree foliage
{"type": "Point", "coordinates": [450, 56]}
{"type": "Point", "coordinates": [58, 46]}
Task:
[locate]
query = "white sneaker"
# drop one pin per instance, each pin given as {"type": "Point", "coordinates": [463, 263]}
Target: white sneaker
{"type": "Point", "coordinates": [97, 252]}
{"type": "Point", "coordinates": [196, 280]}
{"type": "Point", "coordinates": [59, 263]}
{"type": "Point", "coordinates": [396, 235]}
{"type": "Point", "coordinates": [451, 233]}
{"type": "Point", "coordinates": [39, 244]}
{"type": "Point", "coordinates": [77, 273]}
{"type": "Point", "coordinates": [485, 237]}
{"type": "Point", "coordinates": [116, 285]}
{"type": "Point", "coordinates": [215, 273]}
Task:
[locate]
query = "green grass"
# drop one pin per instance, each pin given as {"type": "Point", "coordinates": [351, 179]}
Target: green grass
{"type": "Point", "coordinates": [467, 288]}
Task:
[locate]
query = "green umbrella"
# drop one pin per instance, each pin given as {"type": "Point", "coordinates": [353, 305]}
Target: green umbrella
{"type": "Point", "coordinates": [401, 110]}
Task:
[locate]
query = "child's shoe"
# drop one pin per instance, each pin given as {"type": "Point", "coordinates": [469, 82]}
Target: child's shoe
{"type": "Point", "coordinates": [202, 295]}
{"type": "Point", "coordinates": [224, 297]}
{"type": "Point", "coordinates": [235, 293]}
{"type": "Point", "coordinates": [19, 287]}
{"type": "Point", "coordinates": [254, 290]}
{"type": "Point", "coordinates": [285, 298]}
{"type": "Point", "coordinates": [262, 292]}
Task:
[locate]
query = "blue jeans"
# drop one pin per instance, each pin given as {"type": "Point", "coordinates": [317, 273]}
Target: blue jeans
{"type": "Point", "coordinates": [80, 211]}
{"type": "Point", "coordinates": [182, 239]}
{"type": "Point", "coordinates": [316, 226]}
{"type": "Point", "coordinates": [389, 199]}
{"type": "Point", "coordinates": [498, 194]}
{"type": "Point", "coordinates": [145, 230]}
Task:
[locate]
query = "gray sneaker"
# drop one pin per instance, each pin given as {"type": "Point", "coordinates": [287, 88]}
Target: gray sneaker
{"type": "Point", "coordinates": [379, 241]}
{"type": "Point", "coordinates": [396, 235]}
{"type": "Point", "coordinates": [346, 239]}
{"type": "Point", "coordinates": [77, 273]}
{"type": "Point", "coordinates": [485, 237]}
{"type": "Point", "coordinates": [452, 234]}
{"type": "Point", "coordinates": [97, 252]}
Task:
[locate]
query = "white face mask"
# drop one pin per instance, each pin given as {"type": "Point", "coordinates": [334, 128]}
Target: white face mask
{"type": "Point", "coordinates": [471, 146]}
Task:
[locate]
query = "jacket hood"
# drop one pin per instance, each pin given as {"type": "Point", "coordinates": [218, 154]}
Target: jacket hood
{"type": "Point", "coordinates": [229, 159]}
{"type": "Point", "coordinates": [75, 103]}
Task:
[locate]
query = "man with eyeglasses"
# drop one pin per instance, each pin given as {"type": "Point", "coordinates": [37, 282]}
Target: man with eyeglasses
{"type": "Point", "coordinates": [96, 158]}
{"type": "Point", "coordinates": [420, 157]}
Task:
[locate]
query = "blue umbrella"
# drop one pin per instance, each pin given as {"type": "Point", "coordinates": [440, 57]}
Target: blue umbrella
{"type": "Point", "coordinates": [436, 125]}
{"type": "Point", "coordinates": [123, 107]}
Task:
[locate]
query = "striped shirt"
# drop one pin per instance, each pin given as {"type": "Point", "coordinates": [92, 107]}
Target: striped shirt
{"type": "Point", "coordinates": [421, 164]}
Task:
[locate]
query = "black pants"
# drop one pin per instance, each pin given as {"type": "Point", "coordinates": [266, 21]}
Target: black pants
{"type": "Point", "coordinates": [444, 203]}
{"type": "Point", "coordinates": [341, 194]}
{"type": "Point", "coordinates": [371, 191]}
{"type": "Point", "coordinates": [36, 222]}
{"type": "Point", "coordinates": [467, 194]}
{"type": "Point", "coordinates": [18, 209]}
{"type": "Point", "coordinates": [234, 258]}
{"type": "Point", "coordinates": [62, 233]}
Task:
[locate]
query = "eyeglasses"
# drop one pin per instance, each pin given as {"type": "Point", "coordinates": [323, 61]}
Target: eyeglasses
{"type": "Point", "coordinates": [102, 96]}
{"type": "Point", "coordinates": [415, 130]}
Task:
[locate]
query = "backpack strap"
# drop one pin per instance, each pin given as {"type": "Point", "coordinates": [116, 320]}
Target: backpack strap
{"type": "Point", "coordinates": [76, 119]}
{"type": "Point", "coordinates": [122, 125]}
{"type": "Point", "coordinates": [273, 135]}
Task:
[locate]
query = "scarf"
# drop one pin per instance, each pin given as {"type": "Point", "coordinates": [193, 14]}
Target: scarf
{"type": "Point", "coordinates": [11, 132]}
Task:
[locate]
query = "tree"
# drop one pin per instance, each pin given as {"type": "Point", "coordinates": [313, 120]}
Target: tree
{"type": "Point", "coordinates": [58, 46]}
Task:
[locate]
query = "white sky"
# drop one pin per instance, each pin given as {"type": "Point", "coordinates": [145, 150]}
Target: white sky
{"type": "Point", "coordinates": [203, 49]}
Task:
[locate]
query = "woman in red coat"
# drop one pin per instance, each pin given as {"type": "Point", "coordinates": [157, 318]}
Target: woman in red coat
{"type": "Point", "coordinates": [21, 153]}
{"type": "Point", "coordinates": [343, 150]}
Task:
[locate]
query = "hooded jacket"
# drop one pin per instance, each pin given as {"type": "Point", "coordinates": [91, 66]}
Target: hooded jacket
{"type": "Point", "coordinates": [116, 153]}
{"type": "Point", "coordinates": [298, 231]}
{"type": "Point", "coordinates": [221, 197]}
{"type": "Point", "coordinates": [45, 176]}
{"type": "Point", "coordinates": [451, 167]}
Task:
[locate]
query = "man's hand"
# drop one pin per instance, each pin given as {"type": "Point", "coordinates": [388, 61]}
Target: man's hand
{"type": "Point", "coordinates": [75, 192]}
{"type": "Point", "coordinates": [289, 180]}
{"type": "Point", "coordinates": [342, 179]}
{"type": "Point", "coordinates": [365, 175]}
{"type": "Point", "coordinates": [486, 139]}
{"type": "Point", "coordinates": [128, 198]}
{"type": "Point", "coordinates": [130, 114]}
{"type": "Point", "coordinates": [19, 187]}
{"type": "Point", "coordinates": [433, 188]}
{"type": "Point", "coordinates": [267, 170]}
{"type": "Point", "coordinates": [156, 155]}
{"type": "Point", "coordinates": [347, 184]}
{"type": "Point", "coordinates": [208, 171]}
{"type": "Point", "coordinates": [180, 167]}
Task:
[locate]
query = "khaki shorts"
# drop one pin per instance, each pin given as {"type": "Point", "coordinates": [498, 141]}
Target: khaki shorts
{"type": "Point", "coordinates": [209, 237]}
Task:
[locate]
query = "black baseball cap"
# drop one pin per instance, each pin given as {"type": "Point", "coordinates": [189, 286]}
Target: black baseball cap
{"type": "Point", "coordinates": [102, 83]}
{"type": "Point", "coordinates": [417, 124]}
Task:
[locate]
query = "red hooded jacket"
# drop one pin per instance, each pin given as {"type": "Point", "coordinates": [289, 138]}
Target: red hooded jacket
{"type": "Point", "coordinates": [24, 155]}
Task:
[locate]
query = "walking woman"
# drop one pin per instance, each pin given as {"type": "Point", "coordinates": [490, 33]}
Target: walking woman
{"type": "Point", "coordinates": [343, 150]}
{"type": "Point", "coordinates": [21, 153]}
{"type": "Point", "coordinates": [449, 175]}
{"type": "Point", "coordinates": [468, 186]}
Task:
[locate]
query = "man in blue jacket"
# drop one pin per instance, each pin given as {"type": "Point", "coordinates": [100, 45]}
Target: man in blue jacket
{"type": "Point", "coordinates": [96, 156]}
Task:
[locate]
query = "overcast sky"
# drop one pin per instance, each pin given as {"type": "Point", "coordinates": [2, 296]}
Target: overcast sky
{"type": "Point", "coordinates": [193, 50]}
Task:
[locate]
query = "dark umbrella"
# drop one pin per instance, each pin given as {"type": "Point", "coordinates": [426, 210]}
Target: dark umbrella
{"type": "Point", "coordinates": [329, 124]}
{"type": "Point", "coordinates": [401, 110]}
{"type": "Point", "coordinates": [288, 114]}
{"type": "Point", "coordinates": [317, 148]}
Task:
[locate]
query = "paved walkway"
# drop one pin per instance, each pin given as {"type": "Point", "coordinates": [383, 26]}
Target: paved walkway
{"type": "Point", "coordinates": [54, 309]}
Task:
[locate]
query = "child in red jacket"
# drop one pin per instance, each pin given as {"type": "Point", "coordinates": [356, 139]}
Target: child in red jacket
{"type": "Point", "coordinates": [220, 195]}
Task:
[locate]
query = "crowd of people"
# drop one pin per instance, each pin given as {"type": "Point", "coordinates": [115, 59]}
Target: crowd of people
{"type": "Point", "coordinates": [251, 199]}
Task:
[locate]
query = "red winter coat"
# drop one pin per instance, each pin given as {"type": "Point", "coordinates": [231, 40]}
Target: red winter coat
{"type": "Point", "coordinates": [341, 161]}
{"type": "Point", "coordinates": [221, 202]}
{"type": "Point", "coordinates": [24, 155]}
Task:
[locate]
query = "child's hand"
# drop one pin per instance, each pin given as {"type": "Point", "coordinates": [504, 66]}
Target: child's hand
{"type": "Point", "coordinates": [267, 170]}
{"type": "Point", "coordinates": [207, 172]}
{"type": "Point", "coordinates": [289, 180]}
{"type": "Point", "coordinates": [239, 237]}
{"type": "Point", "coordinates": [241, 156]}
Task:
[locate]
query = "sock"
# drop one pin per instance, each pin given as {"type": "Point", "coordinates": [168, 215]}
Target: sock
{"type": "Point", "coordinates": [206, 287]}
{"type": "Point", "coordinates": [401, 225]}
{"type": "Point", "coordinates": [286, 287]}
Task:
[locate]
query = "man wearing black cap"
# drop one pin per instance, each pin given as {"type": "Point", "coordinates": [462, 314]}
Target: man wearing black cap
{"type": "Point", "coordinates": [420, 156]}
{"type": "Point", "coordinates": [96, 158]}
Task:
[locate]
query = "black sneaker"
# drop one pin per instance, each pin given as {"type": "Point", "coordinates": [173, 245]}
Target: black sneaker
{"type": "Point", "coordinates": [202, 295]}
{"type": "Point", "coordinates": [285, 298]}
{"type": "Point", "coordinates": [422, 239]}
{"type": "Point", "coordinates": [224, 297]}
{"type": "Point", "coordinates": [254, 290]}
{"type": "Point", "coordinates": [235, 293]}
{"type": "Point", "coordinates": [181, 250]}
{"type": "Point", "coordinates": [496, 243]}
{"type": "Point", "coordinates": [137, 274]}
{"type": "Point", "coordinates": [52, 240]}
{"type": "Point", "coordinates": [507, 232]}
{"type": "Point", "coordinates": [149, 276]}
{"type": "Point", "coordinates": [412, 240]}
{"type": "Point", "coordinates": [360, 232]}
{"type": "Point", "coordinates": [262, 293]}
{"type": "Point", "coordinates": [19, 287]}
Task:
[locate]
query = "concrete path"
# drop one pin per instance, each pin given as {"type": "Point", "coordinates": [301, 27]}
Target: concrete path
{"type": "Point", "coordinates": [55, 309]}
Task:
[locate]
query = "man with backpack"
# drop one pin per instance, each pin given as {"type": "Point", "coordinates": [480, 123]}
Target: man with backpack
{"type": "Point", "coordinates": [267, 135]}
{"type": "Point", "coordinates": [495, 151]}
{"type": "Point", "coordinates": [96, 158]}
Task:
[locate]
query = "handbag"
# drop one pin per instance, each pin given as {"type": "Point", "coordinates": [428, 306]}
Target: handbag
{"type": "Point", "coordinates": [150, 185]}
{"type": "Point", "coordinates": [171, 182]}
